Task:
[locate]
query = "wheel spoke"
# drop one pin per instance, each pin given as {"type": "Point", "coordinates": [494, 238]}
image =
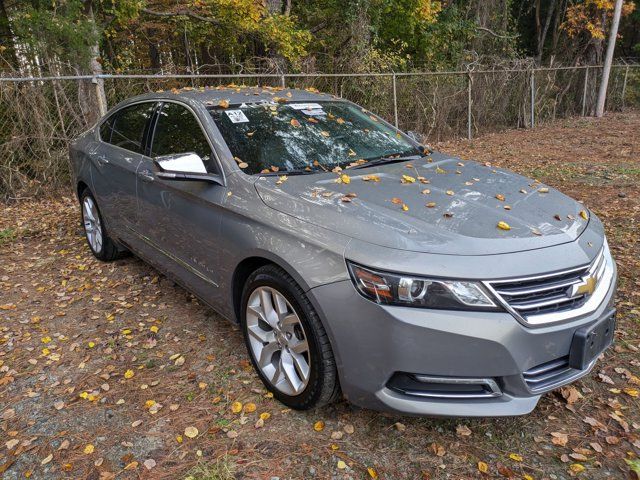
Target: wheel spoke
{"type": "Point", "coordinates": [302, 367]}
{"type": "Point", "coordinates": [289, 371]}
{"type": "Point", "coordinates": [263, 336]}
{"type": "Point", "coordinates": [266, 302]}
{"type": "Point", "coordinates": [277, 373]}
{"type": "Point", "coordinates": [289, 321]}
{"type": "Point", "coordinates": [299, 347]}
{"type": "Point", "coordinates": [257, 310]}
{"type": "Point", "coordinates": [267, 354]}
{"type": "Point", "coordinates": [280, 304]}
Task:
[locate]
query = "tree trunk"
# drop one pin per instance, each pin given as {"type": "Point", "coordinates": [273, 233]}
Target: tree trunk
{"type": "Point", "coordinates": [543, 35]}
{"type": "Point", "coordinates": [613, 34]}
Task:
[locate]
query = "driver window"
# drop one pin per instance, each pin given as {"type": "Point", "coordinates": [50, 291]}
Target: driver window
{"type": "Point", "coordinates": [178, 131]}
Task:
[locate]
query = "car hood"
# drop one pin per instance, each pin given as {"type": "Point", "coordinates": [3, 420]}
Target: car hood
{"type": "Point", "coordinates": [393, 212]}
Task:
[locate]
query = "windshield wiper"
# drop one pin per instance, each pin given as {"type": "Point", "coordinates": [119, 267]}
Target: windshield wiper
{"type": "Point", "coordinates": [299, 171]}
{"type": "Point", "coordinates": [387, 160]}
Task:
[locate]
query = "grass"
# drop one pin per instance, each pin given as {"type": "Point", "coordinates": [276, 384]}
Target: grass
{"type": "Point", "coordinates": [7, 236]}
{"type": "Point", "coordinates": [222, 469]}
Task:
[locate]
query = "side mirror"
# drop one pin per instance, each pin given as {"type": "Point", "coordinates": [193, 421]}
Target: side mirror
{"type": "Point", "coordinates": [184, 166]}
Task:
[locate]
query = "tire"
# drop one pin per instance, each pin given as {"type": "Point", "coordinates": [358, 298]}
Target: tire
{"type": "Point", "coordinates": [99, 241]}
{"type": "Point", "coordinates": [279, 364]}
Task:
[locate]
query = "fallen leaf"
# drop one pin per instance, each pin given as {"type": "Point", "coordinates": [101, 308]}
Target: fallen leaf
{"type": "Point", "coordinates": [515, 457]}
{"type": "Point", "coordinates": [191, 432]}
{"type": "Point", "coordinates": [89, 449]}
{"type": "Point", "coordinates": [236, 407]}
{"type": "Point", "coordinates": [318, 426]}
{"type": "Point", "coordinates": [463, 431]}
{"type": "Point", "coordinates": [149, 463]}
{"type": "Point", "coordinates": [503, 226]}
{"type": "Point", "coordinates": [483, 467]}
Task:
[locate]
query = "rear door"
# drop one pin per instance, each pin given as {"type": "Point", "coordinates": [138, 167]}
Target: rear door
{"type": "Point", "coordinates": [116, 162]}
{"type": "Point", "coordinates": [180, 220]}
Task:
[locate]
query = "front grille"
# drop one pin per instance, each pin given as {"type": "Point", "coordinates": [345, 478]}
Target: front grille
{"type": "Point", "coordinates": [551, 293]}
{"type": "Point", "coordinates": [549, 375]}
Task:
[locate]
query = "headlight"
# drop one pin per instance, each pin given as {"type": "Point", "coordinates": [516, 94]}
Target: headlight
{"type": "Point", "coordinates": [395, 289]}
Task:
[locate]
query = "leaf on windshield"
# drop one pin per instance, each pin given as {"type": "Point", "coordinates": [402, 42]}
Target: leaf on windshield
{"type": "Point", "coordinates": [500, 197]}
{"type": "Point", "coordinates": [352, 153]}
{"type": "Point", "coordinates": [250, 134]}
{"type": "Point", "coordinates": [449, 192]}
{"type": "Point", "coordinates": [440, 170]}
{"type": "Point", "coordinates": [405, 207]}
{"type": "Point", "coordinates": [346, 199]}
{"type": "Point", "coordinates": [282, 179]}
{"type": "Point", "coordinates": [295, 123]}
{"type": "Point", "coordinates": [312, 120]}
{"type": "Point", "coordinates": [584, 214]}
{"type": "Point", "coordinates": [324, 133]}
{"type": "Point", "coordinates": [504, 226]}
{"type": "Point", "coordinates": [340, 120]}
{"type": "Point", "coordinates": [373, 118]}
{"type": "Point", "coordinates": [396, 200]}
{"type": "Point", "coordinates": [407, 179]}
{"type": "Point", "coordinates": [274, 168]}
{"type": "Point", "coordinates": [371, 178]}
{"type": "Point", "coordinates": [430, 204]}
{"type": "Point", "coordinates": [243, 165]}
{"type": "Point", "coordinates": [426, 191]}
{"type": "Point", "coordinates": [424, 180]}
{"type": "Point", "coordinates": [447, 214]}
{"type": "Point", "coordinates": [344, 178]}
{"type": "Point", "coordinates": [223, 103]}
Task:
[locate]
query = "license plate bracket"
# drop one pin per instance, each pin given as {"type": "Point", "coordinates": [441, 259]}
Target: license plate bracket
{"type": "Point", "coordinates": [589, 342]}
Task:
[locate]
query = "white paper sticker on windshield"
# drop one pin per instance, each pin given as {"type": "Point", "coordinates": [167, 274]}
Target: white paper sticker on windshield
{"type": "Point", "coordinates": [314, 113]}
{"type": "Point", "coordinates": [236, 116]}
{"type": "Point", "coordinates": [306, 106]}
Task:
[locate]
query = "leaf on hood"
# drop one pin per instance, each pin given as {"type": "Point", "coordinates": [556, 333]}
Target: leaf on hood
{"type": "Point", "coordinates": [407, 179]}
{"type": "Point", "coordinates": [223, 103]}
{"type": "Point", "coordinates": [503, 225]}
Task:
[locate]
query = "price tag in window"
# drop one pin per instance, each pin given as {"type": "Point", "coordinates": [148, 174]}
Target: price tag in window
{"type": "Point", "coordinates": [236, 116]}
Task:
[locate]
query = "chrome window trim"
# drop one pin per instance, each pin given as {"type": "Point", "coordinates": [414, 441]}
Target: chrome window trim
{"type": "Point", "coordinates": [602, 265]}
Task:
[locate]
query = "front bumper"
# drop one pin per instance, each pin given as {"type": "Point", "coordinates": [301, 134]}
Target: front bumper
{"type": "Point", "coordinates": [373, 342]}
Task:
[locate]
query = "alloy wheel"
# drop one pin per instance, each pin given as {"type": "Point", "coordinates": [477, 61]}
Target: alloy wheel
{"type": "Point", "coordinates": [278, 341]}
{"type": "Point", "coordinates": [92, 225]}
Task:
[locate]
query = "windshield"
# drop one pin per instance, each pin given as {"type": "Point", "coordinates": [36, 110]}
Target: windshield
{"type": "Point", "coordinates": [312, 136]}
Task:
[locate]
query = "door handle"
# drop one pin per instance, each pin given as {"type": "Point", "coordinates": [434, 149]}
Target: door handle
{"type": "Point", "coordinates": [146, 176]}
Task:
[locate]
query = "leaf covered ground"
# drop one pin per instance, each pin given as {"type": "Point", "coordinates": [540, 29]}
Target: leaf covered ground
{"type": "Point", "coordinates": [110, 370]}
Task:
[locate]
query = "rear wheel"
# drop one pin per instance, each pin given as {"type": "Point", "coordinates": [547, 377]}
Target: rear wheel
{"type": "Point", "coordinates": [101, 245]}
{"type": "Point", "coordinates": [288, 345]}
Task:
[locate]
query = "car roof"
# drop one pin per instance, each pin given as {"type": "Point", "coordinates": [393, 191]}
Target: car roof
{"type": "Point", "coordinates": [234, 94]}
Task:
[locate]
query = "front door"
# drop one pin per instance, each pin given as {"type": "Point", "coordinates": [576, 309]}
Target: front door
{"type": "Point", "coordinates": [180, 220]}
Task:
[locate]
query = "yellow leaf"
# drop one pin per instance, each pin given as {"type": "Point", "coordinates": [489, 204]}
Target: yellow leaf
{"type": "Point", "coordinates": [324, 133]}
{"type": "Point", "coordinates": [318, 426]}
{"type": "Point", "coordinates": [372, 472]}
{"type": "Point", "coordinates": [341, 465]}
{"type": "Point", "coordinates": [250, 407]}
{"type": "Point", "coordinates": [236, 407]}
{"type": "Point", "coordinates": [223, 103]}
{"type": "Point", "coordinates": [88, 450]}
{"type": "Point", "coordinates": [179, 438]}
{"type": "Point", "coordinates": [191, 432]}
{"type": "Point", "coordinates": [154, 328]}
{"type": "Point", "coordinates": [265, 415]}
{"type": "Point", "coordinates": [149, 403]}
{"type": "Point", "coordinates": [129, 374]}
{"type": "Point", "coordinates": [515, 457]}
{"type": "Point", "coordinates": [405, 207]}
{"type": "Point", "coordinates": [500, 197]}
{"type": "Point", "coordinates": [449, 192]}
{"type": "Point", "coordinates": [126, 331]}
{"type": "Point", "coordinates": [483, 467]}
{"type": "Point", "coordinates": [576, 468]}
{"type": "Point", "coordinates": [503, 226]}
{"type": "Point", "coordinates": [371, 178]}
{"type": "Point", "coordinates": [46, 340]}
{"type": "Point", "coordinates": [430, 204]}
{"type": "Point", "coordinates": [632, 392]}
{"type": "Point", "coordinates": [345, 178]}
{"type": "Point", "coordinates": [584, 214]}
{"type": "Point", "coordinates": [295, 123]}
{"type": "Point", "coordinates": [408, 179]}
{"type": "Point", "coordinates": [92, 344]}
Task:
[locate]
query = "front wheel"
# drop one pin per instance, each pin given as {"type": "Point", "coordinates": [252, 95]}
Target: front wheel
{"type": "Point", "coordinates": [287, 343]}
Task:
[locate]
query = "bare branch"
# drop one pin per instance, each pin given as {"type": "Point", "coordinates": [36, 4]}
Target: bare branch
{"type": "Point", "coordinates": [484, 29]}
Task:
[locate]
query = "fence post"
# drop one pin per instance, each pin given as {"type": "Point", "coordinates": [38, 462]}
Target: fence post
{"type": "Point", "coordinates": [395, 100]}
{"type": "Point", "coordinates": [584, 91]}
{"type": "Point", "coordinates": [469, 126]}
{"type": "Point", "coordinates": [624, 84]}
{"type": "Point", "coordinates": [283, 82]}
{"type": "Point", "coordinates": [533, 97]}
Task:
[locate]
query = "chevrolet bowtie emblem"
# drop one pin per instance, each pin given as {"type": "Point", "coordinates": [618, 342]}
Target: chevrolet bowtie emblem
{"type": "Point", "coordinates": [586, 287]}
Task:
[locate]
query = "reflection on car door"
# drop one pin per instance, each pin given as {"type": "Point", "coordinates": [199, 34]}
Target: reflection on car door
{"type": "Point", "coordinates": [180, 220]}
{"type": "Point", "coordinates": [116, 159]}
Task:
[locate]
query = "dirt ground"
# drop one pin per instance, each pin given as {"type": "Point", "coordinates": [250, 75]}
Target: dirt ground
{"type": "Point", "coordinates": [106, 368]}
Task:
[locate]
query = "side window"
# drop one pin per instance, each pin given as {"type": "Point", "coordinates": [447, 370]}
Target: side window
{"type": "Point", "coordinates": [128, 126]}
{"type": "Point", "coordinates": [105, 130]}
{"type": "Point", "coordinates": [178, 131]}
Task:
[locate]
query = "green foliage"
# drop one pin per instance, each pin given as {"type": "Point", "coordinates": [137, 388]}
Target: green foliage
{"type": "Point", "coordinates": [222, 469]}
{"type": "Point", "coordinates": [55, 30]}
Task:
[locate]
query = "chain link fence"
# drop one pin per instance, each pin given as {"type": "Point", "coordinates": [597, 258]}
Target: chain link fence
{"type": "Point", "coordinates": [40, 116]}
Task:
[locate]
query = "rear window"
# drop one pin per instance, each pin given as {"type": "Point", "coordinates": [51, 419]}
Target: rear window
{"type": "Point", "coordinates": [305, 135]}
{"type": "Point", "coordinates": [126, 127]}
